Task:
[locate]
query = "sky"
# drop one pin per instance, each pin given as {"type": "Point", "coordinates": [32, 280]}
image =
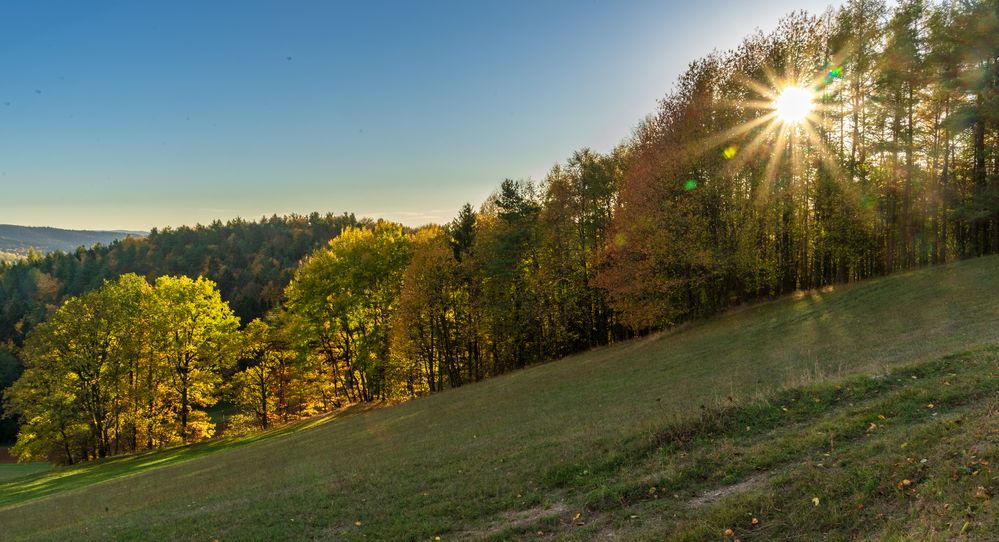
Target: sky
{"type": "Point", "coordinates": [133, 115]}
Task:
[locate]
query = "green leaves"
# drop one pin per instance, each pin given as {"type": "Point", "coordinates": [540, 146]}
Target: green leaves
{"type": "Point", "coordinates": [341, 302]}
{"type": "Point", "coordinates": [123, 367]}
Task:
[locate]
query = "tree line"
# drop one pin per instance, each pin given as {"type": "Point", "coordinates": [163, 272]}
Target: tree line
{"type": "Point", "coordinates": [713, 201]}
{"type": "Point", "coordinates": [250, 263]}
{"type": "Point", "coordinates": [897, 167]}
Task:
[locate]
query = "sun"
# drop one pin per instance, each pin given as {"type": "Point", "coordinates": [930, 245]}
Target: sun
{"type": "Point", "coordinates": [793, 104]}
{"type": "Point", "coordinates": [784, 118]}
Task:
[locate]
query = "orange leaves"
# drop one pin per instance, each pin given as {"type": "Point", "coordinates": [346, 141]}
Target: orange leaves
{"type": "Point", "coordinates": [730, 533]}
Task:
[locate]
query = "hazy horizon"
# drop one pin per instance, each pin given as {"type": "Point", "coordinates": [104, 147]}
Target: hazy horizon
{"type": "Point", "coordinates": [130, 117]}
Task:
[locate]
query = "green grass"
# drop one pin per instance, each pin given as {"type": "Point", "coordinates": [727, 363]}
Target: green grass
{"type": "Point", "coordinates": [595, 433]}
{"type": "Point", "coordinates": [9, 471]}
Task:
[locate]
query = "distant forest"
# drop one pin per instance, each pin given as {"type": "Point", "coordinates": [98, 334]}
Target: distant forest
{"type": "Point", "coordinates": [713, 201]}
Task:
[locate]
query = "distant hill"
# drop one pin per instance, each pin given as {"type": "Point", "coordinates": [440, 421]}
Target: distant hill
{"type": "Point", "coordinates": [19, 239]}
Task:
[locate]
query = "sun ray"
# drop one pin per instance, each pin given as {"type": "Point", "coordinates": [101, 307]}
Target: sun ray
{"type": "Point", "coordinates": [770, 174]}
{"type": "Point", "coordinates": [825, 153]}
{"type": "Point", "coordinates": [734, 132]}
{"type": "Point", "coordinates": [750, 149]}
{"type": "Point", "coordinates": [762, 105]}
{"type": "Point", "coordinates": [761, 89]}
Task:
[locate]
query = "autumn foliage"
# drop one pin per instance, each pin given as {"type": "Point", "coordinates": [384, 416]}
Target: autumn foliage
{"type": "Point", "coordinates": [713, 201]}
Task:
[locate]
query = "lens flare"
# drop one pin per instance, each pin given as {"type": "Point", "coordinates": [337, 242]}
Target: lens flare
{"type": "Point", "coordinates": [793, 104]}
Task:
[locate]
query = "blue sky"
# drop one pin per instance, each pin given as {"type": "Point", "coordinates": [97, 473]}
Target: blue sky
{"type": "Point", "coordinates": [130, 115]}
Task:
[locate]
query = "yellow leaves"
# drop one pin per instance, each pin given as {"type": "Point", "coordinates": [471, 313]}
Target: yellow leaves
{"type": "Point", "coordinates": [730, 152]}
{"type": "Point", "coordinates": [873, 427]}
{"type": "Point", "coordinates": [755, 522]}
{"type": "Point", "coordinates": [729, 533]}
{"type": "Point", "coordinates": [902, 484]}
{"type": "Point", "coordinates": [815, 501]}
{"type": "Point", "coordinates": [357, 523]}
{"type": "Point", "coordinates": [931, 406]}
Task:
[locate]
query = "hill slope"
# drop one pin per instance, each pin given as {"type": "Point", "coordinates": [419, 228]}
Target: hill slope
{"type": "Point", "coordinates": [18, 239]}
{"type": "Point", "coordinates": [680, 435]}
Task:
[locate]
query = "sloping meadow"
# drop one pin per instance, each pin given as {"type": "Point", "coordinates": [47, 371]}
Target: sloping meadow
{"type": "Point", "coordinates": [683, 435]}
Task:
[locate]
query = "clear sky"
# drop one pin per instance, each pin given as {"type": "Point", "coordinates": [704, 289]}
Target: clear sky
{"type": "Point", "coordinates": [130, 115]}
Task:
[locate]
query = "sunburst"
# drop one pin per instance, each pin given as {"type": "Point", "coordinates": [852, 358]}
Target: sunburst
{"type": "Point", "coordinates": [789, 112]}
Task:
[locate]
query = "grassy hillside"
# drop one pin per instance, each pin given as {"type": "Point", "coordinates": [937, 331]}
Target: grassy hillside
{"type": "Point", "coordinates": [877, 399]}
{"type": "Point", "coordinates": [18, 239]}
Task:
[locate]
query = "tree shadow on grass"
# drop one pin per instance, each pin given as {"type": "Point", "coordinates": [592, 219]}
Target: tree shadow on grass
{"type": "Point", "coordinates": [36, 485]}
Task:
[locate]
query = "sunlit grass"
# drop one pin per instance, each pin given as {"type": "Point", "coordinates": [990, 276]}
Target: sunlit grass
{"type": "Point", "coordinates": [9, 471]}
{"type": "Point", "coordinates": [48, 479]}
{"type": "Point", "coordinates": [575, 435]}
